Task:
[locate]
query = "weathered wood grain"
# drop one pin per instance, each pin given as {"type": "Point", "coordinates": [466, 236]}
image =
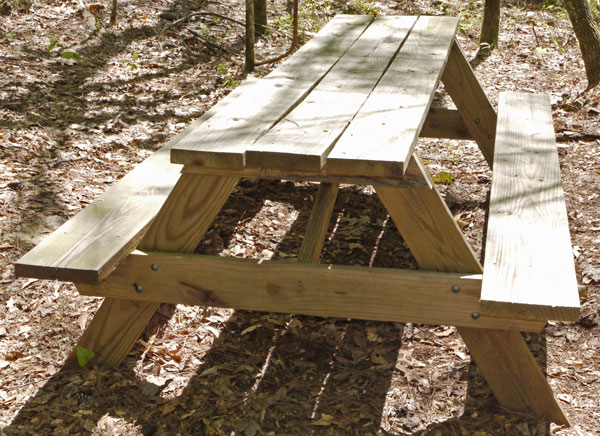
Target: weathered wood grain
{"type": "Point", "coordinates": [322, 290]}
{"type": "Point", "coordinates": [304, 137]}
{"type": "Point", "coordinates": [222, 141]}
{"type": "Point", "coordinates": [382, 136]}
{"type": "Point", "coordinates": [473, 105]}
{"type": "Point", "coordinates": [501, 355]}
{"type": "Point", "coordinates": [529, 266]}
{"type": "Point", "coordinates": [88, 247]}
{"type": "Point", "coordinates": [180, 226]}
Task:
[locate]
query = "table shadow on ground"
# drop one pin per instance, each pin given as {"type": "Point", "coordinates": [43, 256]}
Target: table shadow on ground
{"type": "Point", "coordinates": [282, 374]}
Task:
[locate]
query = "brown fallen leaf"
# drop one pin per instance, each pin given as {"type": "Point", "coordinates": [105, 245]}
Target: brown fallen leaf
{"type": "Point", "coordinates": [250, 329]}
{"type": "Point", "coordinates": [324, 420]}
{"type": "Point", "coordinates": [375, 358]}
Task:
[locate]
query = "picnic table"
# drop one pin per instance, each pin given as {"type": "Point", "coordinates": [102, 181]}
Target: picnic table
{"type": "Point", "coordinates": [348, 107]}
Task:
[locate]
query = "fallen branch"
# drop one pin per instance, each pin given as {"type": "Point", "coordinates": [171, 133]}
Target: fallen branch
{"type": "Point", "coordinates": [208, 42]}
{"type": "Point", "coordinates": [224, 17]}
{"type": "Point", "coordinates": [294, 38]}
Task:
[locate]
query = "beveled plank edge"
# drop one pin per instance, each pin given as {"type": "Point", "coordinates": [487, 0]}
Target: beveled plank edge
{"type": "Point", "coordinates": [29, 265]}
{"type": "Point", "coordinates": [311, 289]}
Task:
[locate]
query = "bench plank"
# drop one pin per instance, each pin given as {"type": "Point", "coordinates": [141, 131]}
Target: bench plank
{"type": "Point", "coordinates": [88, 247]}
{"type": "Point", "coordinates": [305, 136]}
{"type": "Point", "coordinates": [222, 142]}
{"type": "Point", "coordinates": [382, 137]}
{"type": "Point", "coordinates": [529, 266]}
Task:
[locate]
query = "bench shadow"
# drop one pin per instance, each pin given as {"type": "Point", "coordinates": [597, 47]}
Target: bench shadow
{"type": "Point", "coordinates": [288, 374]}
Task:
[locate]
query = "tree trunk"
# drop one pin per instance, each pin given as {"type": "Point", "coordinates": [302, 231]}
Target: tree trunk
{"type": "Point", "coordinates": [260, 16]}
{"type": "Point", "coordinates": [249, 65]}
{"type": "Point", "coordinates": [113, 13]}
{"type": "Point", "coordinates": [588, 35]}
{"type": "Point", "coordinates": [9, 6]}
{"type": "Point", "coordinates": [491, 25]}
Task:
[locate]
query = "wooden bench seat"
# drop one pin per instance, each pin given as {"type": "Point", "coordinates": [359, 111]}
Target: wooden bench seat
{"type": "Point", "coordinates": [528, 268]}
{"type": "Point", "coordinates": [90, 245]}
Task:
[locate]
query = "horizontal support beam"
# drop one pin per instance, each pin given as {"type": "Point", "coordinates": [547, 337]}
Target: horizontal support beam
{"type": "Point", "coordinates": [381, 294]}
{"type": "Point", "coordinates": [445, 123]}
{"type": "Point", "coordinates": [411, 179]}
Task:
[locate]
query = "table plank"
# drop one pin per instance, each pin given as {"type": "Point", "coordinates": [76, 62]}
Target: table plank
{"type": "Point", "coordinates": [382, 137]}
{"type": "Point", "coordinates": [528, 258]}
{"type": "Point", "coordinates": [305, 136]}
{"type": "Point", "coordinates": [221, 142]}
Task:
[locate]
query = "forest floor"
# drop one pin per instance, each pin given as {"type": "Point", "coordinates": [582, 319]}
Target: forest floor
{"type": "Point", "coordinates": [71, 125]}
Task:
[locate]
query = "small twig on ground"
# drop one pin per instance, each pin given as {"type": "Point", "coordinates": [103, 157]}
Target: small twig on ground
{"type": "Point", "coordinates": [294, 38]}
{"type": "Point", "coordinates": [224, 17]}
{"type": "Point", "coordinates": [537, 41]}
{"type": "Point", "coordinates": [567, 40]}
{"type": "Point", "coordinates": [61, 161]}
{"type": "Point", "coordinates": [207, 41]}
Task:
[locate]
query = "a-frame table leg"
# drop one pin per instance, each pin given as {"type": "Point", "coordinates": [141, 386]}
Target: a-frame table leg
{"type": "Point", "coordinates": [316, 229]}
{"type": "Point", "coordinates": [428, 227]}
{"type": "Point", "coordinates": [179, 226]}
{"type": "Point", "coordinates": [473, 105]}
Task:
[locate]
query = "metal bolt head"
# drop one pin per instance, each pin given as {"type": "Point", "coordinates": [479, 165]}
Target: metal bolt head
{"type": "Point", "coordinates": [138, 288]}
{"type": "Point", "coordinates": [489, 136]}
{"type": "Point", "coordinates": [475, 315]}
{"type": "Point", "coordinates": [154, 267]}
{"type": "Point", "coordinates": [476, 120]}
{"type": "Point", "coordinates": [455, 288]}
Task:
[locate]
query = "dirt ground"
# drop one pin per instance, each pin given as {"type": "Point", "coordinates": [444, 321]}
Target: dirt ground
{"type": "Point", "coordinates": [81, 103]}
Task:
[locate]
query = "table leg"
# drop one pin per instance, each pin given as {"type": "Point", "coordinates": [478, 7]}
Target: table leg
{"type": "Point", "coordinates": [179, 226]}
{"type": "Point", "coordinates": [316, 229]}
{"type": "Point", "coordinates": [428, 227]}
{"type": "Point", "coordinates": [473, 105]}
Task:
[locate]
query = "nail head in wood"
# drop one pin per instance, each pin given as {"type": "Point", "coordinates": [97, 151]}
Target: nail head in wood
{"type": "Point", "coordinates": [475, 315]}
{"type": "Point", "coordinates": [455, 288]}
{"type": "Point", "coordinates": [476, 120]}
{"type": "Point", "coordinates": [138, 288]}
{"type": "Point", "coordinates": [154, 267]}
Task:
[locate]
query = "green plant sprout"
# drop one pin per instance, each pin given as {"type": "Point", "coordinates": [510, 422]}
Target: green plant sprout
{"type": "Point", "coordinates": [444, 178]}
{"type": "Point", "coordinates": [83, 355]}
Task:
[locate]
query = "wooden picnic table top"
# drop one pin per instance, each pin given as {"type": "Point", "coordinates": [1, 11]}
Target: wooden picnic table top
{"type": "Point", "coordinates": [352, 101]}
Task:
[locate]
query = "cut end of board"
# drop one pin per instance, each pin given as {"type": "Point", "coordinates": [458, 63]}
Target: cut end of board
{"type": "Point", "coordinates": [44, 272]}
{"type": "Point", "coordinates": [531, 311]}
{"type": "Point", "coordinates": [284, 161]}
{"type": "Point", "coordinates": [214, 159]}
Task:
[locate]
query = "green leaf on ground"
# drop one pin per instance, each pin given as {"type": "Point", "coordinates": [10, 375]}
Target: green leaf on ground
{"type": "Point", "coordinates": [83, 355]}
